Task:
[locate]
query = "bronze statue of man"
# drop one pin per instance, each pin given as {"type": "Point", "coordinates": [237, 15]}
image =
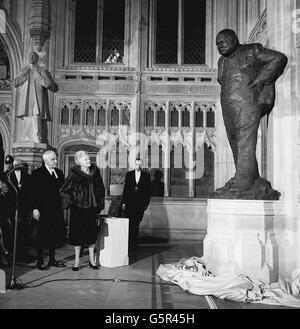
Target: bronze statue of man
{"type": "Point", "coordinates": [247, 75]}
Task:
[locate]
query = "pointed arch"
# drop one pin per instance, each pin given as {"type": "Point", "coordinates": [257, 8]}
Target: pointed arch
{"type": "Point", "coordinates": [4, 131]}
{"type": "Point", "coordinates": [61, 147]}
{"type": "Point", "coordinates": [12, 44]}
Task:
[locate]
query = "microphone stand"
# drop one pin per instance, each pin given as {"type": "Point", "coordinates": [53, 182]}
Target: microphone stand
{"type": "Point", "coordinates": [14, 284]}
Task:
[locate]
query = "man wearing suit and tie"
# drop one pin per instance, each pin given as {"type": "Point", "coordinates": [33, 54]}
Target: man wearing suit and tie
{"type": "Point", "coordinates": [48, 210]}
{"type": "Point", "coordinates": [135, 200]}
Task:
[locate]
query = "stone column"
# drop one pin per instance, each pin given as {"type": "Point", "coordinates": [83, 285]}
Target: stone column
{"type": "Point", "coordinates": [241, 24]}
{"type": "Point", "coordinates": [192, 154]}
{"type": "Point", "coordinates": [106, 155]}
{"type": "Point", "coordinates": [253, 14]}
{"type": "Point", "coordinates": [283, 145]}
{"type": "Point", "coordinates": [262, 6]}
{"type": "Point", "coordinates": [296, 27]}
{"type": "Point", "coordinates": [167, 155]}
{"type": "Point", "coordinates": [282, 131]}
{"type": "Point", "coordinates": [138, 47]}
{"type": "Point", "coordinates": [209, 46]}
{"type": "Point", "coordinates": [232, 19]}
{"type": "Point", "coordinates": [39, 24]}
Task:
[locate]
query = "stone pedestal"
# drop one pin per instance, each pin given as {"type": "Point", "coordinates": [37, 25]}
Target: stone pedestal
{"type": "Point", "coordinates": [29, 152]}
{"type": "Point", "coordinates": [248, 237]}
{"type": "Point", "coordinates": [112, 242]}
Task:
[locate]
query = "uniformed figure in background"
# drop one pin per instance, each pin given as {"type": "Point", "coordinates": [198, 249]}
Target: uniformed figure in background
{"type": "Point", "coordinates": [8, 165]}
{"type": "Point", "coordinates": [135, 200]}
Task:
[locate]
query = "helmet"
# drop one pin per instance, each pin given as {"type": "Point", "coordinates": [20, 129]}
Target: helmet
{"type": "Point", "coordinates": [9, 159]}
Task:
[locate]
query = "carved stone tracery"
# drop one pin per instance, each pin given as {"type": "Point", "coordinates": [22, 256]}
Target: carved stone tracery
{"type": "Point", "coordinates": [175, 133]}
{"type": "Point", "coordinates": [5, 111]}
{"type": "Point", "coordinates": [119, 114]}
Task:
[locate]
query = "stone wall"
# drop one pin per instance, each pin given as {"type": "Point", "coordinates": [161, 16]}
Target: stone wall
{"type": "Point", "coordinates": [170, 219]}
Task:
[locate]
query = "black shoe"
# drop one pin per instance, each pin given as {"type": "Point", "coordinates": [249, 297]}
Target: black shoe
{"type": "Point", "coordinates": [41, 266]}
{"type": "Point", "coordinates": [94, 267]}
{"type": "Point", "coordinates": [75, 268]}
{"type": "Point", "coordinates": [55, 263]}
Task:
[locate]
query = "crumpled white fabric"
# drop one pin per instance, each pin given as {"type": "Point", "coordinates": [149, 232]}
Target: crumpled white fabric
{"type": "Point", "coordinates": [191, 275]}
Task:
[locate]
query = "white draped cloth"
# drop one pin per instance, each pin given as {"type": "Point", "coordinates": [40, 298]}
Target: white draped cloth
{"type": "Point", "coordinates": [191, 275]}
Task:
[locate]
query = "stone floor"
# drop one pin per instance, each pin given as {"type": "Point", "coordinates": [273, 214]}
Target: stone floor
{"type": "Point", "coordinates": [135, 286]}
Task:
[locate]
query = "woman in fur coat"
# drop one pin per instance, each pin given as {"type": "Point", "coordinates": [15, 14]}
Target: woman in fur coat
{"type": "Point", "coordinates": [83, 192]}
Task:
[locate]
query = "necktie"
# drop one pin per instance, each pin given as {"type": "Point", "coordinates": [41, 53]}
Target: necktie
{"type": "Point", "coordinates": [53, 175]}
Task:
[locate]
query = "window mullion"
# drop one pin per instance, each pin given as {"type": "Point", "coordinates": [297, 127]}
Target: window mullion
{"type": "Point", "coordinates": [99, 31]}
{"type": "Point", "coordinates": [72, 32]}
{"type": "Point", "coordinates": [152, 33]}
{"type": "Point", "coordinates": [180, 32]}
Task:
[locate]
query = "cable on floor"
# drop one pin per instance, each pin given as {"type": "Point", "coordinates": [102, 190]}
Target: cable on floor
{"type": "Point", "coordinates": [106, 280]}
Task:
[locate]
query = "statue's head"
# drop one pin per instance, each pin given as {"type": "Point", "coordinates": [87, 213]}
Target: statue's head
{"type": "Point", "coordinates": [33, 57]}
{"type": "Point", "coordinates": [227, 42]}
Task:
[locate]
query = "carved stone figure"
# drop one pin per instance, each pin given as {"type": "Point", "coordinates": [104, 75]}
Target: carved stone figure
{"type": "Point", "coordinates": [114, 57]}
{"type": "Point", "coordinates": [247, 75]}
{"type": "Point", "coordinates": [34, 107]}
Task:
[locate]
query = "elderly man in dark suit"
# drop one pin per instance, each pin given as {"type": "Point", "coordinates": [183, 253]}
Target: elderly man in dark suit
{"type": "Point", "coordinates": [247, 75]}
{"type": "Point", "coordinates": [48, 210]}
{"type": "Point", "coordinates": [135, 200]}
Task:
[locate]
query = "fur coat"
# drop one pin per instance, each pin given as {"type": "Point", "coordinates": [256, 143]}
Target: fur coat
{"type": "Point", "coordinates": [83, 190]}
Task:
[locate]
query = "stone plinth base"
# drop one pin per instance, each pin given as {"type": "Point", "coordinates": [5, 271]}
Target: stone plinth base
{"type": "Point", "coordinates": [247, 237]}
{"type": "Point", "coordinates": [112, 242]}
{"type": "Point", "coordinates": [30, 152]}
{"type": "Point", "coordinates": [169, 219]}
